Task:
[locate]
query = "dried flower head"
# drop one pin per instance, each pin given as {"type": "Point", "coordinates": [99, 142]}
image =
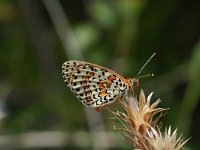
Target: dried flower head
{"type": "Point", "coordinates": [137, 118]}
{"type": "Point", "coordinates": [139, 122]}
{"type": "Point", "coordinates": [168, 141]}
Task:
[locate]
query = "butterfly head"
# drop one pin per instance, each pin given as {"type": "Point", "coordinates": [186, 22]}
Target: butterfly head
{"type": "Point", "coordinates": [135, 82]}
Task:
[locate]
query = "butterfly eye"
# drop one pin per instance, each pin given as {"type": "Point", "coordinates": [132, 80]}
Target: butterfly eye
{"type": "Point", "coordinates": [135, 82]}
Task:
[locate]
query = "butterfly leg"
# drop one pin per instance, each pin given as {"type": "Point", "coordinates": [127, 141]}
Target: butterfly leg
{"type": "Point", "coordinates": [132, 92]}
{"type": "Point", "coordinates": [118, 101]}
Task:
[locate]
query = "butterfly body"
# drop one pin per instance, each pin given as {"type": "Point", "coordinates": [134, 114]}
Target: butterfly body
{"type": "Point", "coordinates": [94, 85]}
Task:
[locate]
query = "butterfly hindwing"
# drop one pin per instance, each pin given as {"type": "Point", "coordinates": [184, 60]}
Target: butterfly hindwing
{"type": "Point", "coordinates": [93, 85]}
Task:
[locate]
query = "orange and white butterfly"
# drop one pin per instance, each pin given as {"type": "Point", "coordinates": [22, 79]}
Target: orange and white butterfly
{"type": "Point", "coordinates": [94, 85]}
{"type": "Point", "coordinates": [97, 86]}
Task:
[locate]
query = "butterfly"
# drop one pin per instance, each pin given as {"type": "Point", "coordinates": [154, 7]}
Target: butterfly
{"type": "Point", "coordinates": [97, 86]}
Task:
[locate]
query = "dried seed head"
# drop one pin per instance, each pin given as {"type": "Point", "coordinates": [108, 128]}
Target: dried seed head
{"type": "Point", "coordinates": [168, 141]}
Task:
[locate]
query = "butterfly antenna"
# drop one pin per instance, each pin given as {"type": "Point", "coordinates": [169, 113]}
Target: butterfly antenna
{"type": "Point", "coordinates": [145, 65]}
{"type": "Point", "coordinates": [147, 75]}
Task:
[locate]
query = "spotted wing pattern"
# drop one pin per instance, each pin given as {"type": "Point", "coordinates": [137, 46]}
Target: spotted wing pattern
{"type": "Point", "coordinates": [93, 85]}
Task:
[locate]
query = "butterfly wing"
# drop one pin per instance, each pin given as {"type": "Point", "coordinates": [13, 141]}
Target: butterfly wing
{"type": "Point", "coordinates": [93, 85]}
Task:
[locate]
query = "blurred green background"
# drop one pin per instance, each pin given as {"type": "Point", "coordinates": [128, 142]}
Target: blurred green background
{"type": "Point", "coordinates": [37, 110]}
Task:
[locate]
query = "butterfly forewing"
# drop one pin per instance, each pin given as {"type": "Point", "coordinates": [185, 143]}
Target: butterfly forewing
{"type": "Point", "coordinates": [93, 85]}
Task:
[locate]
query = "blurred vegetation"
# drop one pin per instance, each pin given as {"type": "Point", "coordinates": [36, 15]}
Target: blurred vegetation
{"type": "Point", "coordinates": [120, 35]}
